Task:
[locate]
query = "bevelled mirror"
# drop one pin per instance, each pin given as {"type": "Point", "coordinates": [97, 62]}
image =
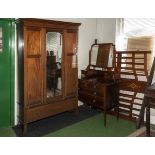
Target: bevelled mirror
{"type": "Point", "coordinates": [101, 55]}
{"type": "Point", "coordinates": [53, 64]}
{"type": "Point", "coordinates": [1, 42]}
{"type": "Point", "coordinates": [94, 53]}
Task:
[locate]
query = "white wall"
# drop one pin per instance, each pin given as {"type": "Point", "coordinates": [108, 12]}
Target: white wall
{"type": "Point", "coordinates": [106, 29]}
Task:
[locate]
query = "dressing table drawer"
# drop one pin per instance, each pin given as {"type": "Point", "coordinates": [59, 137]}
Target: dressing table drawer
{"type": "Point", "coordinates": [97, 95]}
{"type": "Point", "coordinates": [92, 91]}
{"type": "Point", "coordinates": [92, 96]}
{"type": "Point", "coordinates": [92, 100]}
{"type": "Point", "coordinates": [90, 88]}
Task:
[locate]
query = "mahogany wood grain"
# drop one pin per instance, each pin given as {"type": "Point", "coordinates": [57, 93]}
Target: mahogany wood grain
{"type": "Point", "coordinates": [127, 64]}
{"type": "Point", "coordinates": [31, 47]}
{"type": "Point", "coordinates": [33, 66]}
{"type": "Point", "coordinates": [98, 87]}
{"type": "Point", "coordinates": [71, 71]}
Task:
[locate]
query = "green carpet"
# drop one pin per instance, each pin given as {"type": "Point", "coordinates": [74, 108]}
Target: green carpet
{"type": "Point", "coordinates": [7, 132]}
{"type": "Point", "coordinates": [94, 127]}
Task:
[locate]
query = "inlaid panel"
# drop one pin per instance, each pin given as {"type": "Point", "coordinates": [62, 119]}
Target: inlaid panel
{"type": "Point", "coordinates": [33, 58]}
{"type": "Point", "coordinates": [34, 81]}
{"type": "Point", "coordinates": [71, 71]}
{"type": "Point", "coordinates": [131, 68]}
{"type": "Point", "coordinates": [33, 42]}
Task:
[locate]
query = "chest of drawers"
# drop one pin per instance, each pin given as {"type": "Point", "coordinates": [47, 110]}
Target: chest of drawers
{"type": "Point", "coordinates": [98, 94]}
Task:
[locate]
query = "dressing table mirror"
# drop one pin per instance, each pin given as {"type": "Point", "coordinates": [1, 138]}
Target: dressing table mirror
{"type": "Point", "coordinates": [101, 55]}
{"type": "Point", "coordinates": [97, 84]}
{"type": "Point", "coordinates": [101, 62]}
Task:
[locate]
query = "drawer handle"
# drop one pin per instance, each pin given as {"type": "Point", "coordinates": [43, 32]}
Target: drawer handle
{"type": "Point", "coordinates": [94, 101]}
{"type": "Point", "coordinates": [94, 93]}
{"type": "Point", "coordinates": [94, 86]}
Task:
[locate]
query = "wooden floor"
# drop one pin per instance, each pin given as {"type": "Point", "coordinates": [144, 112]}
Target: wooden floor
{"type": "Point", "coordinates": [142, 133]}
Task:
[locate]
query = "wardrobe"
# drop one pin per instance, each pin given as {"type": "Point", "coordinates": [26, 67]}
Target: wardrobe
{"type": "Point", "coordinates": [47, 68]}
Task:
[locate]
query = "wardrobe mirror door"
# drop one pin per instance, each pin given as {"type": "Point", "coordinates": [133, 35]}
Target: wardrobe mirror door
{"type": "Point", "coordinates": [1, 43]}
{"type": "Point", "coordinates": [53, 64]}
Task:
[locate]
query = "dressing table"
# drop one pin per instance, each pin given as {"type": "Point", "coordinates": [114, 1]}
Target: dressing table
{"type": "Point", "coordinates": [97, 86]}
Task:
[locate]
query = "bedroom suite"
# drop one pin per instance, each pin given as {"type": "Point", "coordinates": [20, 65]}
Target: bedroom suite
{"type": "Point", "coordinates": [82, 77]}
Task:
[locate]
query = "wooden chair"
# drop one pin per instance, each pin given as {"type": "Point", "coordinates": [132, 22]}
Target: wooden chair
{"type": "Point", "coordinates": [149, 101]}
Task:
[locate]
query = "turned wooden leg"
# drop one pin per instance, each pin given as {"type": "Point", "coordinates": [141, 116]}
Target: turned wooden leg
{"type": "Point", "coordinates": [116, 108]}
{"type": "Point", "coordinates": [117, 111]}
{"type": "Point", "coordinates": [105, 119]}
{"type": "Point", "coordinates": [76, 111]}
{"type": "Point", "coordinates": [24, 128]}
{"type": "Point", "coordinates": [148, 119]}
{"type": "Point", "coordinates": [105, 106]}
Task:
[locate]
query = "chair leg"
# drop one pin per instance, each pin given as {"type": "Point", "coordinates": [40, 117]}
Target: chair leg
{"type": "Point", "coordinates": [148, 120]}
{"type": "Point", "coordinates": [140, 120]}
{"type": "Point", "coordinates": [105, 118]}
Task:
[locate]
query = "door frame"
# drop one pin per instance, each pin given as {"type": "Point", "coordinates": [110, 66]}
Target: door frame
{"type": "Point", "coordinates": [11, 31]}
{"type": "Point", "coordinates": [12, 50]}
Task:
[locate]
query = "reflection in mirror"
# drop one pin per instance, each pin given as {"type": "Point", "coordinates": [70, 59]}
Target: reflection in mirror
{"type": "Point", "coordinates": [101, 55]}
{"type": "Point", "coordinates": [111, 56]}
{"type": "Point", "coordinates": [1, 43]}
{"type": "Point", "coordinates": [53, 70]}
{"type": "Point", "coordinates": [94, 53]}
